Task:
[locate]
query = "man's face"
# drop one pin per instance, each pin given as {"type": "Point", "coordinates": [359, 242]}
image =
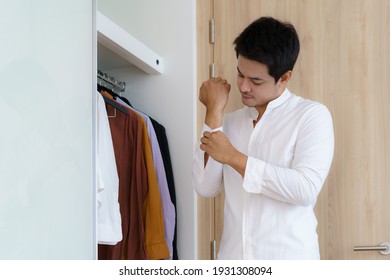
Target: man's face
{"type": "Point", "coordinates": [257, 87]}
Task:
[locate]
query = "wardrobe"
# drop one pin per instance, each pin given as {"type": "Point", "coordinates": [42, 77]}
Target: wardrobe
{"type": "Point", "coordinates": [48, 100]}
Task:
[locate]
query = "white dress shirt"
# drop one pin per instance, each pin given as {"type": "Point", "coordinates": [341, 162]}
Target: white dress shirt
{"type": "Point", "coordinates": [109, 216]}
{"type": "Point", "coordinates": [268, 213]}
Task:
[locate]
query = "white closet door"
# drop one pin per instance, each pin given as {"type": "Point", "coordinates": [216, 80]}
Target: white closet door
{"type": "Point", "coordinates": [46, 122]}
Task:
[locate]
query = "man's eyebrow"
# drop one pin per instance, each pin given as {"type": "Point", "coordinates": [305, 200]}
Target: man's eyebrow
{"type": "Point", "coordinates": [252, 78]}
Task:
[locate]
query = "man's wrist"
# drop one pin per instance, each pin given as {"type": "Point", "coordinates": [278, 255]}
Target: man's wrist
{"type": "Point", "coordinates": [237, 161]}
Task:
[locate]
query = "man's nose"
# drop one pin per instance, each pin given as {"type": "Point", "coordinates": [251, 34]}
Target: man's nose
{"type": "Point", "coordinates": [244, 85]}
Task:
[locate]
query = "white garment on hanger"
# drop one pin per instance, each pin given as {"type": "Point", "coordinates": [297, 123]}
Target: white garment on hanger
{"type": "Point", "coordinates": [109, 217]}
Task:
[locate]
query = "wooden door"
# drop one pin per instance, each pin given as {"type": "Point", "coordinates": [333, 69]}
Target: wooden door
{"type": "Point", "coordinates": [206, 220]}
{"type": "Point", "coordinates": [344, 64]}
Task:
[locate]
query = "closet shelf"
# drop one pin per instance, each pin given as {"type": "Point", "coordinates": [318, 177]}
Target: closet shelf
{"type": "Point", "coordinates": [119, 41]}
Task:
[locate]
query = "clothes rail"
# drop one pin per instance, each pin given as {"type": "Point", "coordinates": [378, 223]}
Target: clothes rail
{"type": "Point", "coordinates": [104, 79]}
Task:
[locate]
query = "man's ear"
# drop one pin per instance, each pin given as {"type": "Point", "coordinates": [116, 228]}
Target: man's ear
{"type": "Point", "coordinates": [285, 78]}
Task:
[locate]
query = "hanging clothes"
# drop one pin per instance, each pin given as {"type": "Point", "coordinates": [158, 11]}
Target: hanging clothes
{"type": "Point", "coordinates": [109, 218]}
{"type": "Point", "coordinates": [139, 196]}
{"type": "Point", "coordinates": [168, 208]}
{"type": "Point", "coordinates": [133, 187]}
{"type": "Point", "coordinates": [164, 148]}
{"type": "Point", "coordinates": [154, 226]}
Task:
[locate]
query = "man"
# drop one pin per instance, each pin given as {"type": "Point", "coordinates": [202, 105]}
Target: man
{"type": "Point", "coordinates": [271, 157]}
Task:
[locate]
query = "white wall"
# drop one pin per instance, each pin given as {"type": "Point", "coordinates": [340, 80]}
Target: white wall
{"type": "Point", "coordinates": [46, 182]}
{"type": "Point", "coordinates": [167, 27]}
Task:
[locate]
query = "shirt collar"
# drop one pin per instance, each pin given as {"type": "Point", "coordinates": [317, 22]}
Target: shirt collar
{"type": "Point", "coordinates": [280, 100]}
{"type": "Point", "coordinates": [253, 113]}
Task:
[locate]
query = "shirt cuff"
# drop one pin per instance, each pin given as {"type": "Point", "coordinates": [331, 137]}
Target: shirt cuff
{"type": "Point", "coordinates": [254, 175]}
{"type": "Point", "coordinates": [207, 128]}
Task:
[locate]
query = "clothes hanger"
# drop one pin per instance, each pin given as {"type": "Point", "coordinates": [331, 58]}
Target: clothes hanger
{"type": "Point", "coordinates": [102, 87]}
{"type": "Point", "coordinates": [115, 105]}
{"type": "Point", "coordinates": [113, 94]}
{"type": "Point", "coordinates": [108, 90]}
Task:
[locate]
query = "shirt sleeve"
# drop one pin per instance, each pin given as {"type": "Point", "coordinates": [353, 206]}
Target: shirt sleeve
{"type": "Point", "coordinates": [301, 183]}
{"type": "Point", "coordinates": [207, 180]}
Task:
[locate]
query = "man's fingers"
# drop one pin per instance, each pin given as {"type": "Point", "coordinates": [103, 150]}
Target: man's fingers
{"type": "Point", "coordinates": [207, 134]}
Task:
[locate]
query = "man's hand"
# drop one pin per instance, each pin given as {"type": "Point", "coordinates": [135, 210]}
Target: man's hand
{"type": "Point", "coordinates": [218, 146]}
{"type": "Point", "coordinates": [214, 94]}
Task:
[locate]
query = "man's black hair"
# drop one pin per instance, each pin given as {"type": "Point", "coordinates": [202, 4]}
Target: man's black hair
{"type": "Point", "coordinates": [270, 42]}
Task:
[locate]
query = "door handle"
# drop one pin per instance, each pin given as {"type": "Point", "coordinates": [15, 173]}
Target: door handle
{"type": "Point", "coordinates": [383, 248]}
